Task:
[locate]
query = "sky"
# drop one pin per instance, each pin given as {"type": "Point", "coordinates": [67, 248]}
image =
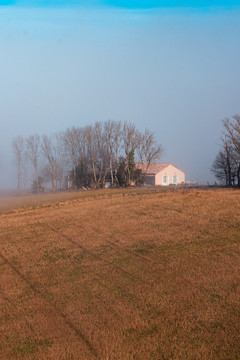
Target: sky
{"type": "Point", "coordinates": [170, 66]}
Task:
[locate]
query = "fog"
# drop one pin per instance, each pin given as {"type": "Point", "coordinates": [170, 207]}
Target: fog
{"type": "Point", "coordinates": [174, 71]}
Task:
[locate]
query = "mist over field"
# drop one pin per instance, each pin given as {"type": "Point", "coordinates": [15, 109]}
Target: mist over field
{"type": "Point", "coordinates": [172, 70]}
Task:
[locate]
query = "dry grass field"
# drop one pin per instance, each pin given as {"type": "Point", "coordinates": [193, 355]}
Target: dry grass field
{"type": "Point", "coordinates": [121, 275]}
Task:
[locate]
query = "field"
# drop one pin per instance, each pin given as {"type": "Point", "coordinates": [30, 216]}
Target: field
{"type": "Point", "coordinates": [121, 275]}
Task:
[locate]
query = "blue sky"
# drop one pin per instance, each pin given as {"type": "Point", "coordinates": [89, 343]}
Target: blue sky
{"type": "Point", "coordinates": [173, 70]}
{"type": "Point", "coordinates": [133, 4]}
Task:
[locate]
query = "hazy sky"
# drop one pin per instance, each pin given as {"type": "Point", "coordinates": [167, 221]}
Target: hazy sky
{"type": "Point", "coordinates": [170, 66]}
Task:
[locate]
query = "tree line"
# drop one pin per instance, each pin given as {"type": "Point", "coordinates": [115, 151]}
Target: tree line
{"type": "Point", "coordinates": [226, 166]}
{"type": "Point", "coordinates": [83, 156]}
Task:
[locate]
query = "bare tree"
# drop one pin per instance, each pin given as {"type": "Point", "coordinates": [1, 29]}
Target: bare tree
{"type": "Point", "coordinates": [49, 152]}
{"type": "Point", "coordinates": [61, 159]}
{"type": "Point", "coordinates": [102, 153]}
{"type": "Point", "coordinates": [232, 136]}
{"type": "Point", "coordinates": [25, 168]}
{"type": "Point", "coordinates": [33, 149]}
{"type": "Point", "coordinates": [148, 150]}
{"type": "Point", "coordinates": [224, 166]}
{"type": "Point", "coordinates": [18, 146]}
{"type": "Point", "coordinates": [112, 136]}
{"type": "Point", "coordinates": [118, 136]}
{"type": "Point", "coordinates": [232, 131]}
{"type": "Point", "coordinates": [86, 154]}
{"type": "Point", "coordinates": [131, 139]}
{"type": "Point", "coordinates": [92, 151]}
{"type": "Point", "coordinates": [72, 141]}
{"type": "Point", "coordinates": [84, 159]}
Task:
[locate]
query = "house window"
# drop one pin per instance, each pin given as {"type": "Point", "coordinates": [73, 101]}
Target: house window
{"type": "Point", "coordinates": [165, 180]}
{"type": "Point", "coordinates": [175, 179]}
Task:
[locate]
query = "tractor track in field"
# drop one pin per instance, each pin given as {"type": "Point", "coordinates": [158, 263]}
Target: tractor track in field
{"type": "Point", "coordinates": [122, 248]}
{"type": "Point", "coordinates": [125, 249]}
{"type": "Point", "coordinates": [98, 257]}
{"type": "Point", "coordinates": [27, 321]}
{"type": "Point", "coordinates": [148, 283]}
{"type": "Point", "coordinates": [30, 322]}
{"type": "Point", "coordinates": [78, 333]}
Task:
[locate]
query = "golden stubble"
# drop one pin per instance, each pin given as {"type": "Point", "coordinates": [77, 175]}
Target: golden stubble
{"type": "Point", "coordinates": [116, 274]}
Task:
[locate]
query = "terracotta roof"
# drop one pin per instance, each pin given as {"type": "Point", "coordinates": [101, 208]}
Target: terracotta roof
{"type": "Point", "coordinates": [154, 168]}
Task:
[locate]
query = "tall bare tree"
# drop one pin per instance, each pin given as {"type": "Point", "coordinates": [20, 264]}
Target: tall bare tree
{"type": "Point", "coordinates": [113, 137]}
{"type": "Point", "coordinates": [118, 136]}
{"type": "Point", "coordinates": [49, 152]}
{"type": "Point", "coordinates": [148, 150]}
{"type": "Point", "coordinates": [25, 168]}
{"type": "Point", "coordinates": [92, 151]}
{"type": "Point", "coordinates": [61, 158]}
{"type": "Point", "coordinates": [232, 135]}
{"type": "Point", "coordinates": [72, 141]}
{"type": "Point", "coordinates": [88, 153]}
{"type": "Point", "coordinates": [18, 146]}
{"type": "Point", "coordinates": [224, 167]}
{"type": "Point", "coordinates": [131, 139]}
{"type": "Point", "coordinates": [33, 149]}
{"type": "Point", "coordinates": [102, 160]}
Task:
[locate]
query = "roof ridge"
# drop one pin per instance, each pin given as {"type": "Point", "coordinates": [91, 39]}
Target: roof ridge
{"type": "Point", "coordinates": [154, 168]}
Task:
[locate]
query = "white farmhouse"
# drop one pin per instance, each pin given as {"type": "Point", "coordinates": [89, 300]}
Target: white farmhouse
{"type": "Point", "coordinates": [163, 174]}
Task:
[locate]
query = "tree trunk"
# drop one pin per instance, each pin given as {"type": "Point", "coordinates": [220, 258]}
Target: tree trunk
{"type": "Point", "coordinates": [19, 177]}
{"type": "Point", "coordinates": [238, 175]}
{"type": "Point", "coordinates": [111, 171]}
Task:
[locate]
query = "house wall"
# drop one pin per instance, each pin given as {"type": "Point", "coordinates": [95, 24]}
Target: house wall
{"type": "Point", "coordinates": [170, 171]}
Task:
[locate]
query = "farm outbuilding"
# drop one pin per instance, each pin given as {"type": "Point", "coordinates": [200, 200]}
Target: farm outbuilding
{"type": "Point", "coordinates": [161, 174]}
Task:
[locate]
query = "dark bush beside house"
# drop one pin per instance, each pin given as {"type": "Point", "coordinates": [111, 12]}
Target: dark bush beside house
{"type": "Point", "coordinates": [80, 177]}
{"type": "Point", "coordinates": [130, 168]}
{"type": "Point", "coordinates": [121, 172]}
{"type": "Point", "coordinates": [139, 177]}
{"type": "Point", "coordinates": [127, 175]}
{"type": "Point", "coordinates": [37, 185]}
